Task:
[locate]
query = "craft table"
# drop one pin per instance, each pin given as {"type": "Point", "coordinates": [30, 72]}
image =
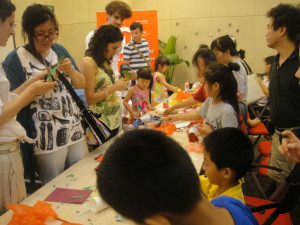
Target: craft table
{"type": "Point", "coordinates": [79, 176]}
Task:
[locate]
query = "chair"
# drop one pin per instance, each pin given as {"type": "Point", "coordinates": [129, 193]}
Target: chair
{"type": "Point", "coordinates": [264, 149]}
{"type": "Point", "coordinates": [269, 212]}
{"type": "Point", "coordinates": [259, 130]}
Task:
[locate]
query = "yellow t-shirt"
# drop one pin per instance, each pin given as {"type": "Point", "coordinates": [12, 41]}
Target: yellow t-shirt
{"type": "Point", "coordinates": [210, 190]}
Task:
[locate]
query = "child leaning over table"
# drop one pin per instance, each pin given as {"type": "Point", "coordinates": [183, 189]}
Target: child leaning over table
{"type": "Point", "coordinates": [228, 155]}
{"type": "Point", "coordinates": [159, 81]}
{"type": "Point", "coordinates": [139, 94]}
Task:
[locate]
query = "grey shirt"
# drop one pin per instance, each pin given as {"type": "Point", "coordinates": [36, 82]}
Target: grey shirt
{"type": "Point", "coordinates": [218, 116]}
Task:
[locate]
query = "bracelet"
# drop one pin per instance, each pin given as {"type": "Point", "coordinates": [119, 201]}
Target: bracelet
{"type": "Point", "coordinates": [72, 71]}
{"type": "Point", "coordinates": [105, 91]}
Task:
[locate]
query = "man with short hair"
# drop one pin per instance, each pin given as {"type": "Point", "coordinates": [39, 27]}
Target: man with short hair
{"type": "Point", "coordinates": [282, 30]}
{"type": "Point", "coordinates": [136, 58]}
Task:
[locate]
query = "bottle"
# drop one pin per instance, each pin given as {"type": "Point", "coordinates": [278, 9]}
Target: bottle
{"type": "Point", "coordinates": [165, 100]}
{"type": "Point", "coordinates": [186, 86]}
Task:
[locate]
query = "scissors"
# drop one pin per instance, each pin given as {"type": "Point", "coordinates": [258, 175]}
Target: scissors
{"type": "Point", "coordinates": [50, 72]}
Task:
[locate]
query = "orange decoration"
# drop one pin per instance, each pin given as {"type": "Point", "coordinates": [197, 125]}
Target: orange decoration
{"type": "Point", "coordinates": [71, 224]}
{"type": "Point", "coordinates": [28, 215]}
{"type": "Point", "coordinates": [165, 128]}
{"type": "Point", "coordinates": [182, 95]}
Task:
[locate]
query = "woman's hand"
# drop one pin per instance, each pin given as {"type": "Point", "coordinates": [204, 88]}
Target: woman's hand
{"type": "Point", "coordinates": [40, 87]}
{"type": "Point", "coordinates": [170, 119]}
{"type": "Point", "coordinates": [121, 85]}
{"type": "Point", "coordinates": [66, 66]}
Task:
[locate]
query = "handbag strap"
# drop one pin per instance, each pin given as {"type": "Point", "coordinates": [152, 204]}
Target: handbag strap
{"type": "Point", "coordinates": [141, 54]}
{"type": "Point", "coordinates": [87, 114]}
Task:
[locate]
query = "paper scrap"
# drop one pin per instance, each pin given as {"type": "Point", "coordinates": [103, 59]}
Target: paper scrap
{"type": "Point", "coordinates": [67, 195]}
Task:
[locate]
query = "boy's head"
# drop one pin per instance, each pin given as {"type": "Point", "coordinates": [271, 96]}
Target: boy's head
{"type": "Point", "coordinates": [228, 155]}
{"type": "Point", "coordinates": [145, 173]}
{"type": "Point", "coordinates": [117, 11]}
{"type": "Point", "coordinates": [162, 63]}
{"type": "Point", "coordinates": [136, 29]}
{"type": "Point", "coordinates": [284, 21]}
{"type": "Point", "coordinates": [268, 63]}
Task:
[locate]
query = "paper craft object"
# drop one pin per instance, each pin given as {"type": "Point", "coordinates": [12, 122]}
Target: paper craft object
{"type": "Point", "coordinates": [68, 195]}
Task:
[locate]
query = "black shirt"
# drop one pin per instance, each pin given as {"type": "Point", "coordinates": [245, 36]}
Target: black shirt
{"type": "Point", "coordinates": [285, 92]}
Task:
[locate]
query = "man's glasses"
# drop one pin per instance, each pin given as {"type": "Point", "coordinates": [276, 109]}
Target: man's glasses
{"type": "Point", "coordinates": [42, 37]}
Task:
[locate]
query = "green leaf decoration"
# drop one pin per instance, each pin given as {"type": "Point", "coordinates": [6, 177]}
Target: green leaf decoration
{"type": "Point", "coordinates": [70, 175]}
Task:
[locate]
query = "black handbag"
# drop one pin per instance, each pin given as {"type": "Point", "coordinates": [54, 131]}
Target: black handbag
{"type": "Point", "coordinates": [98, 128]}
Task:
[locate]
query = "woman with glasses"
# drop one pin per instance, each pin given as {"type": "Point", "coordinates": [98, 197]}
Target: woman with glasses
{"type": "Point", "coordinates": [12, 185]}
{"type": "Point", "coordinates": [52, 119]}
{"type": "Point", "coordinates": [100, 89]}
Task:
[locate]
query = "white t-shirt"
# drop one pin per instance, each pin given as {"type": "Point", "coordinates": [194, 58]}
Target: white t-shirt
{"type": "Point", "coordinates": [12, 129]}
{"type": "Point", "coordinates": [55, 114]}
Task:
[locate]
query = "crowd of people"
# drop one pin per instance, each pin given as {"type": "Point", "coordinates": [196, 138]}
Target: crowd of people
{"type": "Point", "coordinates": [41, 129]}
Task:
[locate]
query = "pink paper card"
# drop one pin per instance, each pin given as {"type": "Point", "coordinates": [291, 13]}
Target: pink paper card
{"type": "Point", "coordinates": [68, 195]}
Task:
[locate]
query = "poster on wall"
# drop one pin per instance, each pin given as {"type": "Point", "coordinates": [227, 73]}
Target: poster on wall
{"type": "Point", "coordinates": [150, 30]}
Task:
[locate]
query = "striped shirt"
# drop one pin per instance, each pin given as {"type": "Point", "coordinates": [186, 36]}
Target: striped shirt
{"type": "Point", "coordinates": [136, 61]}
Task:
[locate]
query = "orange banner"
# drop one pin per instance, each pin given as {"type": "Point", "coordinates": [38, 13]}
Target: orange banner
{"type": "Point", "coordinates": [150, 30]}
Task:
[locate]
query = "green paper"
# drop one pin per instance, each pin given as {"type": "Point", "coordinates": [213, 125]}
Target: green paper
{"type": "Point", "coordinates": [75, 197]}
{"type": "Point", "coordinates": [125, 72]}
{"type": "Point", "coordinates": [88, 188]}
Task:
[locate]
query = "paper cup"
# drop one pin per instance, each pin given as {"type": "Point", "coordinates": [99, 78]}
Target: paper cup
{"type": "Point", "coordinates": [97, 204]}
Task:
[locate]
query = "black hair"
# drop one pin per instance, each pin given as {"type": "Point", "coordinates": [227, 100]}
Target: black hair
{"type": "Point", "coordinates": [269, 60]}
{"type": "Point", "coordinates": [6, 9]}
{"type": "Point", "coordinates": [161, 60]}
{"type": "Point", "coordinates": [145, 73]}
{"type": "Point", "coordinates": [104, 35]}
{"type": "Point", "coordinates": [145, 172]}
{"type": "Point", "coordinates": [230, 148]}
{"type": "Point", "coordinates": [136, 25]}
{"type": "Point", "coordinates": [225, 43]}
{"type": "Point", "coordinates": [120, 7]}
{"type": "Point", "coordinates": [206, 54]}
{"type": "Point", "coordinates": [228, 86]}
{"type": "Point", "coordinates": [286, 15]}
{"type": "Point", "coordinates": [34, 16]}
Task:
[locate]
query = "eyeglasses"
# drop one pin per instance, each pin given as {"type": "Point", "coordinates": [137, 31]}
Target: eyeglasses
{"type": "Point", "coordinates": [42, 37]}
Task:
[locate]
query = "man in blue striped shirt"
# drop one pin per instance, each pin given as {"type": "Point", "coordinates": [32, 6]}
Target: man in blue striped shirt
{"type": "Point", "coordinates": [130, 55]}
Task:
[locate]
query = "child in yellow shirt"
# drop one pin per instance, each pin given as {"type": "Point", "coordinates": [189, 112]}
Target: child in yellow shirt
{"type": "Point", "coordinates": [228, 155]}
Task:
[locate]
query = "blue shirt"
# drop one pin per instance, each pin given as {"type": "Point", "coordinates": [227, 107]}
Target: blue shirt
{"type": "Point", "coordinates": [240, 213]}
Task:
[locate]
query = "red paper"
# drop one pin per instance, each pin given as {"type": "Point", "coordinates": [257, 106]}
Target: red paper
{"type": "Point", "coordinates": [65, 195]}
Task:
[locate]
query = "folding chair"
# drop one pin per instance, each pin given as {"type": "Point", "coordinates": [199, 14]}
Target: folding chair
{"type": "Point", "coordinates": [259, 130]}
{"type": "Point", "coordinates": [268, 212]}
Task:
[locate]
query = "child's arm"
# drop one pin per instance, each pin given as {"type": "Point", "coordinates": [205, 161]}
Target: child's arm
{"type": "Point", "coordinates": [162, 80]}
{"type": "Point", "coordinates": [128, 96]}
{"type": "Point", "coordinates": [186, 103]}
{"type": "Point", "coordinates": [191, 116]}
